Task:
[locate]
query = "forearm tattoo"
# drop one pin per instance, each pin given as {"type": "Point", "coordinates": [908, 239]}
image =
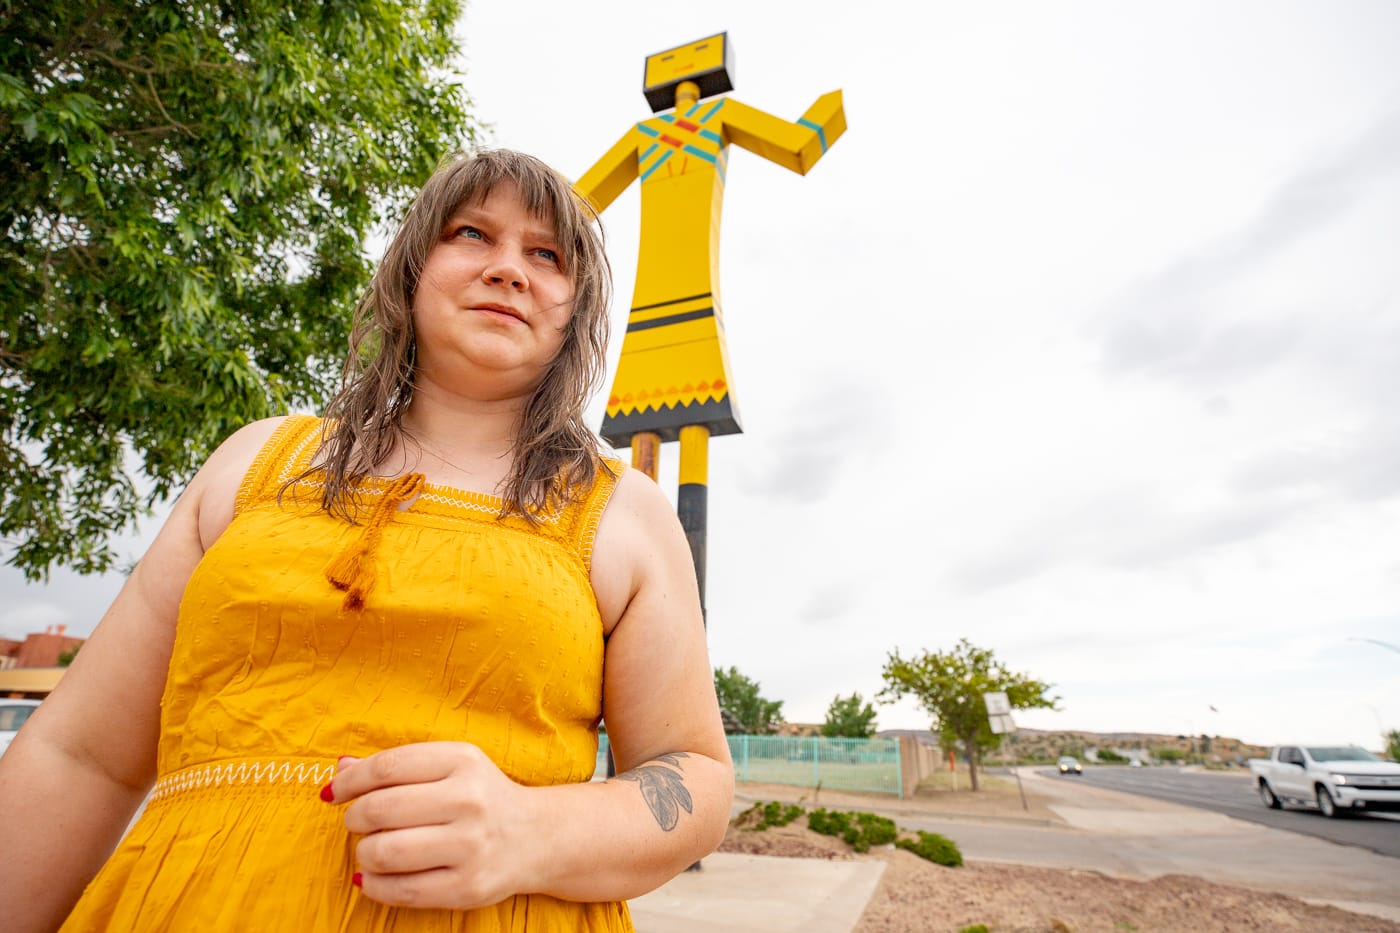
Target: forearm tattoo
{"type": "Point", "coordinates": [663, 789]}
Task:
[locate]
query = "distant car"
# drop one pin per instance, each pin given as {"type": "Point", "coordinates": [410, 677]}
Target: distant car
{"type": "Point", "coordinates": [13, 713]}
{"type": "Point", "coordinates": [1135, 763]}
{"type": "Point", "coordinates": [1070, 765]}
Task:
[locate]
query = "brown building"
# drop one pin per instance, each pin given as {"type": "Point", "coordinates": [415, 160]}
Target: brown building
{"type": "Point", "coordinates": [32, 667]}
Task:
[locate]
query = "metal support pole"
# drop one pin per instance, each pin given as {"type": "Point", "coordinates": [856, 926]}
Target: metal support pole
{"type": "Point", "coordinates": [692, 498]}
{"type": "Point", "coordinates": [691, 506]}
{"type": "Point", "coordinates": [1001, 742]}
{"type": "Point", "coordinates": [646, 448]}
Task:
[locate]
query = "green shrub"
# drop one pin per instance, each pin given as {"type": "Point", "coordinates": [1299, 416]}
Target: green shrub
{"type": "Point", "coordinates": [1109, 757]}
{"type": "Point", "coordinates": [937, 849]}
{"type": "Point", "coordinates": [763, 815]}
{"type": "Point", "coordinates": [975, 928]}
{"type": "Point", "coordinates": [859, 830]}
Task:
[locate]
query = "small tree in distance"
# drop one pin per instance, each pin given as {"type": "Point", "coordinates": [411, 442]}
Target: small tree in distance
{"type": "Point", "coordinates": [1392, 744]}
{"type": "Point", "coordinates": [849, 718]}
{"type": "Point", "coordinates": [950, 685]}
{"type": "Point", "coordinates": [739, 696]}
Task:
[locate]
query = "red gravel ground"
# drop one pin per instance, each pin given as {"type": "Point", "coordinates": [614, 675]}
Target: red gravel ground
{"type": "Point", "coordinates": [916, 896]}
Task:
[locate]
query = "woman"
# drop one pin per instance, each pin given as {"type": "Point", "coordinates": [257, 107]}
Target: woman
{"type": "Point", "coordinates": [364, 659]}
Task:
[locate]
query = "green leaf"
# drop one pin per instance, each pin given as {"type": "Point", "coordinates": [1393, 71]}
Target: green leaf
{"type": "Point", "coordinates": [166, 170]}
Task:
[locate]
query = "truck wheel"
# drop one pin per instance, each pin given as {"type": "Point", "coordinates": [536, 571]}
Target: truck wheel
{"type": "Point", "coordinates": [1266, 794]}
{"type": "Point", "coordinates": [1326, 806]}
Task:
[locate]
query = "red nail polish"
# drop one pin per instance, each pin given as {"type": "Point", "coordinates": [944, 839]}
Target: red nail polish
{"type": "Point", "coordinates": [327, 794]}
{"type": "Point", "coordinates": [358, 880]}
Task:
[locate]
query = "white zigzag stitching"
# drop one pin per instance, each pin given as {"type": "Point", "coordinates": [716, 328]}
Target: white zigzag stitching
{"type": "Point", "coordinates": [448, 500]}
{"type": "Point", "coordinates": [243, 772]}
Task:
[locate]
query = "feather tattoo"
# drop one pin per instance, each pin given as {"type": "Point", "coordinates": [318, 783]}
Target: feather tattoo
{"type": "Point", "coordinates": [663, 789]}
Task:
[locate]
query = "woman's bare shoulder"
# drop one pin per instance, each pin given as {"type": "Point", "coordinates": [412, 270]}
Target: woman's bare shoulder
{"type": "Point", "coordinates": [637, 495]}
{"type": "Point", "coordinates": [639, 542]}
{"type": "Point", "coordinates": [217, 482]}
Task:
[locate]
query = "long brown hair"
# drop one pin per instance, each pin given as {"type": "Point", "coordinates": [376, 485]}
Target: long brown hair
{"type": "Point", "coordinates": [555, 453]}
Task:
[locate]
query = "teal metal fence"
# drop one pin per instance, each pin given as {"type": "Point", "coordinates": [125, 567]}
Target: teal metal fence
{"type": "Point", "coordinates": [600, 770]}
{"type": "Point", "coordinates": [807, 761]}
{"type": "Point", "coordinates": [812, 761]}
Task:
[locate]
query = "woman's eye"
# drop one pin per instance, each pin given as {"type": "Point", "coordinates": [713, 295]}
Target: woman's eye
{"type": "Point", "coordinates": [470, 233]}
{"type": "Point", "coordinates": [548, 255]}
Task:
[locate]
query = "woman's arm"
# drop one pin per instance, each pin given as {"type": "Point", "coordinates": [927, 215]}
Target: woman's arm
{"type": "Point", "coordinates": [446, 828]}
{"type": "Point", "coordinates": [82, 764]}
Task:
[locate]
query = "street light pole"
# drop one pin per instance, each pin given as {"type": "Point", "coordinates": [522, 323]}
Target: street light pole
{"type": "Point", "coordinates": [1377, 641]}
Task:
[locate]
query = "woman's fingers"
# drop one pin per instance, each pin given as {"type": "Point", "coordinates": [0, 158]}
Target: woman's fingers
{"type": "Point", "coordinates": [435, 887]}
{"type": "Point", "coordinates": [420, 763]}
{"type": "Point", "coordinates": [435, 824]}
{"type": "Point", "coordinates": [437, 866]}
{"type": "Point", "coordinates": [401, 807]}
{"type": "Point", "coordinates": [406, 851]}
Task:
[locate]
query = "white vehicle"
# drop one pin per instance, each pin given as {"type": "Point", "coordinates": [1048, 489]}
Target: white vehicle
{"type": "Point", "coordinates": [13, 713]}
{"type": "Point", "coordinates": [1338, 780]}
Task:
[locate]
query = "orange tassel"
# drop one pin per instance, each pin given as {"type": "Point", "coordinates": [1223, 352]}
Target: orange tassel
{"type": "Point", "coordinates": [352, 570]}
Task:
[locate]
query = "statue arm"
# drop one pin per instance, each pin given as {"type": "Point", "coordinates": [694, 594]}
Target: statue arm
{"type": "Point", "coordinates": [611, 174]}
{"type": "Point", "coordinates": [795, 146]}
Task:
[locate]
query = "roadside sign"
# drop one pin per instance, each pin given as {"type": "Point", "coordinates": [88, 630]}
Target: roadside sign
{"type": "Point", "coordinates": [999, 718]}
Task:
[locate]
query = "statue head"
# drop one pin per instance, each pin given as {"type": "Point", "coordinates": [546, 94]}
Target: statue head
{"type": "Point", "coordinates": [707, 63]}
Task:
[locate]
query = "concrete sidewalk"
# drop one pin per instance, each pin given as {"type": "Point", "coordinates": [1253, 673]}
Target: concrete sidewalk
{"type": "Point", "coordinates": [760, 894]}
{"type": "Point", "coordinates": [1090, 828]}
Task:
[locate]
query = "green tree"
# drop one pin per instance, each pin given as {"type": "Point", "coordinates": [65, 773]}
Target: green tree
{"type": "Point", "coordinates": [849, 717]}
{"type": "Point", "coordinates": [1392, 743]}
{"type": "Point", "coordinates": [949, 686]}
{"type": "Point", "coordinates": [739, 697]}
{"type": "Point", "coordinates": [187, 188]}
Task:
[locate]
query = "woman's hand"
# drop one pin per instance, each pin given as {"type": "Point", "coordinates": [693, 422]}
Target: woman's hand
{"type": "Point", "coordinates": [442, 826]}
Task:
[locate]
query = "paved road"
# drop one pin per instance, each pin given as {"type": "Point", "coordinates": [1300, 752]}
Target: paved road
{"type": "Point", "coordinates": [1136, 836]}
{"type": "Point", "coordinates": [1234, 795]}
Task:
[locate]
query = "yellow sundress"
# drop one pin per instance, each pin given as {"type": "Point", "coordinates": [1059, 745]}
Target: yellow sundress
{"type": "Point", "coordinates": [302, 638]}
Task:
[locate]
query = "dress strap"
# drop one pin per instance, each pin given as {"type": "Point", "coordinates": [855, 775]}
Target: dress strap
{"type": "Point", "coordinates": [284, 455]}
{"type": "Point", "coordinates": [589, 508]}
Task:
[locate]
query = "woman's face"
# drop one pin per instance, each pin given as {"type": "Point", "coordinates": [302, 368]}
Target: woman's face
{"type": "Point", "coordinates": [493, 302]}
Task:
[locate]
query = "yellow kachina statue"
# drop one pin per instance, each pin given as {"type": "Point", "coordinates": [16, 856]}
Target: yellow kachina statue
{"type": "Point", "coordinates": [673, 380]}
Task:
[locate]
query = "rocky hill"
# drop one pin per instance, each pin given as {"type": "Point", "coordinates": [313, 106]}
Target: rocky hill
{"type": "Point", "coordinates": [1030, 746]}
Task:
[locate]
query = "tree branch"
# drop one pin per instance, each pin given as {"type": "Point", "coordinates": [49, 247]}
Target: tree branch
{"type": "Point", "coordinates": [155, 95]}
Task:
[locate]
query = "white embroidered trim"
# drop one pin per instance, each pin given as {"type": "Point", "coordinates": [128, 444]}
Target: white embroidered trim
{"type": "Point", "coordinates": [452, 501]}
{"type": "Point", "coordinates": [244, 771]}
{"type": "Point", "coordinates": [473, 506]}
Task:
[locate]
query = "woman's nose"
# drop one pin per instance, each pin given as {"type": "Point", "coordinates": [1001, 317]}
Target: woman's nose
{"type": "Point", "coordinates": [504, 271]}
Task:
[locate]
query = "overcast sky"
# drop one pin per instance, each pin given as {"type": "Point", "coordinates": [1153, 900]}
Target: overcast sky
{"type": "Point", "coordinates": [1081, 344]}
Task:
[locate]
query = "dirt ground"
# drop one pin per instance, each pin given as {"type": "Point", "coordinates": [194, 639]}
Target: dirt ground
{"type": "Point", "coordinates": [917, 896]}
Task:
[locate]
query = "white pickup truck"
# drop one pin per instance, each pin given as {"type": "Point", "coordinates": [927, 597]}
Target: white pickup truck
{"type": "Point", "coordinates": [1338, 780]}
